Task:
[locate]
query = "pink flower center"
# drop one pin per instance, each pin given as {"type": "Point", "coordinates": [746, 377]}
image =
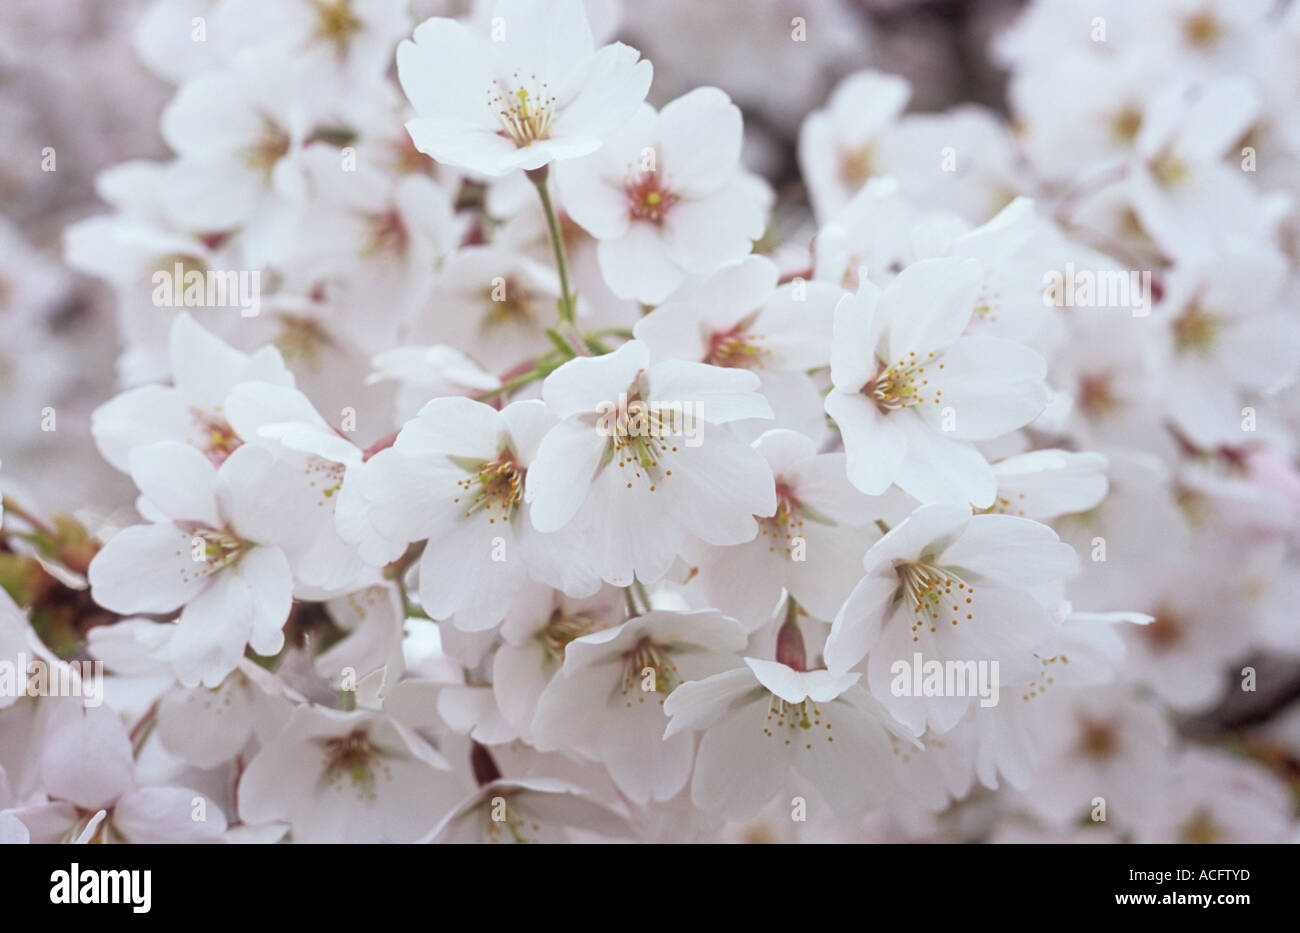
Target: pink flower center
{"type": "Point", "coordinates": [648, 197]}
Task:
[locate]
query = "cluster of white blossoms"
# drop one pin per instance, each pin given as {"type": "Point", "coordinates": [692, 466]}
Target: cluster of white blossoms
{"type": "Point", "coordinates": [515, 464]}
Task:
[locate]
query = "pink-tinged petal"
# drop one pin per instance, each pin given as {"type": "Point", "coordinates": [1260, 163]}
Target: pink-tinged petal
{"type": "Point", "coordinates": [796, 686]}
{"type": "Point", "coordinates": [612, 89]}
{"type": "Point", "coordinates": [549, 40]}
{"type": "Point", "coordinates": [860, 621]}
{"type": "Point", "coordinates": [453, 426]}
{"type": "Point", "coordinates": [940, 468]}
{"type": "Point", "coordinates": [716, 394]}
{"type": "Point", "coordinates": [926, 532]}
{"type": "Point", "coordinates": [739, 767]}
{"type": "Point", "coordinates": [874, 444]}
{"type": "Point", "coordinates": [703, 233]}
{"type": "Point", "coordinates": [560, 477]}
{"type": "Point", "coordinates": [213, 194]}
{"type": "Point", "coordinates": [246, 604]}
{"type": "Point", "coordinates": [147, 568]}
{"type": "Point", "coordinates": [446, 73]}
{"type": "Point", "coordinates": [699, 141]}
{"type": "Point", "coordinates": [597, 205]}
{"type": "Point", "coordinates": [856, 333]}
{"type": "Point", "coordinates": [458, 574]}
{"type": "Point", "coordinates": [700, 703]}
{"type": "Point", "coordinates": [178, 480]}
{"type": "Point", "coordinates": [139, 416]}
{"type": "Point", "coordinates": [929, 305]}
{"type": "Point", "coordinates": [718, 487]}
{"type": "Point", "coordinates": [86, 758]}
{"type": "Point", "coordinates": [1011, 551]}
{"type": "Point", "coordinates": [211, 115]}
{"type": "Point", "coordinates": [638, 264]}
{"type": "Point", "coordinates": [990, 387]}
{"type": "Point", "coordinates": [853, 770]}
{"type": "Point", "coordinates": [582, 385]}
{"type": "Point", "coordinates": [165, 815]}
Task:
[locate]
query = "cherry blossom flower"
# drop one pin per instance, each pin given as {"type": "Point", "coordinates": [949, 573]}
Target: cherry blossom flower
{"type": "Point", "coordinates": [535, 90]}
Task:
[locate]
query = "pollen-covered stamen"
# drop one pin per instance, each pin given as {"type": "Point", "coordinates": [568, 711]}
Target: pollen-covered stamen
{"type": "Point", "coordinates": [272, 146]}
{"type": "Point", "coordinates": [505, 823]}
{"type": "Point", "coordinates": [1098, 739]}
{"type": "Point", "coordinates": [935, 595]}
{"type": "Point", "coordinates": [326, 476]}
{"type": "Point", "coordinates": [784, 525]}
{"type": "Point", "coordinates": [1169, 170]}
{"type": "Point", "coordinates": [1165, 631]}
{"type": "Point", "coordinates": [525, 109]}
{"type": "Point", "coordinates": [1006, 505]}
{"type": "Point", "coordinates": [856, 166]}
{"type": "Point", "coordinates": [736, 348]}
{"type": "Point", "coordinates": [797, 724]}
{"type": "Point", "coordinates": [563, 629]}
{"type": "Point", "coordinates": [987, 305]}
{"type": "Point", "coordinates": [387, 234]}
{"type": "Point", "coordinates": [1125, 124]}
{"type": "Point", "coordinates": [303, 339]}
{"type": "Point", "coordinates": [212, 549]}
{"type": "Point", "coordinates": [217, 439]}
{"type": "Point", "coordinates": [903, 384]}
{"type": "Point", "coordinates": [644, 439]}
{"type": "Point", "coordinates": [493, 487]}
{"type": "Point", "coordinates": [1201, 29]}
{"type": "Point", "coordinates": [648, 670]}
{"type": "Point", "coordinates": [336, 22]}
{"type": "Point", "coordinates": [1096, 394]}
{"type": "Point", "coordinates": [1196, 330]}
{"type": "Point", "coordinates": [354, 759]}
{"type": "Point", "coordinates": [509, 304]}
{"type": "Point", "coordinates": [648, 196]}
{"type": "Point", "coordinates": [1201, 829]}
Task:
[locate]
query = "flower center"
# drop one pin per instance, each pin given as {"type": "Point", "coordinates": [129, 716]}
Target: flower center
{"type": "Point", "coordinates": [647, 668]}
{"type": "Point", "coordinates": [219, 438]}
{"type": "Point", "coordinates": [336, 22]}
{"type": "Point", "coordinates": [387, 234]}
{"type": "Point", "coordinates": [563, 629]}
{"type": "Point", "coordinates": [1124, 125]}
{"type": "Point", "coordinates": [1096, 396]}
{"type": "Point", "coordinates": [901, 385]}
{"type": "Point", "coordinates": [525, 115]}
{"type": "Point", "coordinates": [509, 303]}
{"type": "Point", "coordinates": [351, 757]}
{"type": "Point", "coordinates": [735, 349]}
{"type": "Point", "coordinates": [786, 523]}
{"type": "Point", "coordinates": [856, 166]}
{"type": "Point", "coordinates": [495, 487]}
{"type": "Point", "coordinates": [1097, 739]}
{"type": "Point", "coordinates": [797, 719]}
{"type": "Point", "coordinates": [929, 591]}
{"type": "Point", "coordinates": [1164, 631]}
{"type": "Point", "coordinates": [1195, 330]}
{"type": "Point", "coordinates": [302, 338]}
{"type": "Point", "coordinates": [648, 197]}
{"type": "Point", "coordinates": [270, 148]}
{"type": "Point", "coordinates": [1201, 829]}
{"type": "Point", "coordinates": [503, 825]}
{"type": "Point", "coordinates": [220, 549]}
{"type": "Point", "coordinates": [1202, 29]}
